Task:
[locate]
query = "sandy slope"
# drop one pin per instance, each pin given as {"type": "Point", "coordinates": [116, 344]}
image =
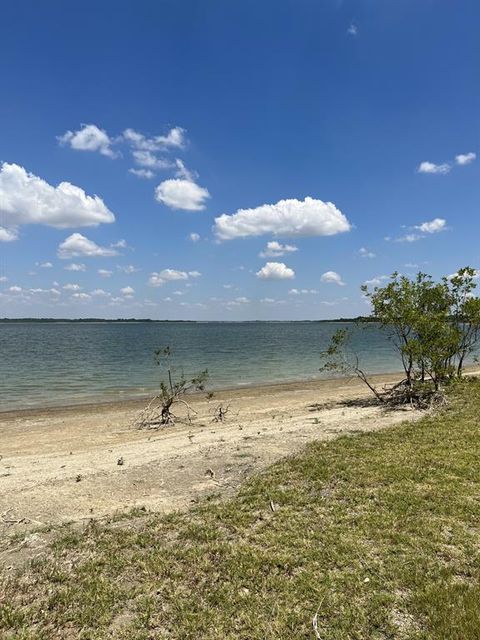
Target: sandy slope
{"type": "Point", "coordinates": [61, 464]}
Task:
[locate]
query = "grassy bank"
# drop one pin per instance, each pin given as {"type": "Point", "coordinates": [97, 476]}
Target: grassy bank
{"type": "Point", "coordinates": [378, 535]}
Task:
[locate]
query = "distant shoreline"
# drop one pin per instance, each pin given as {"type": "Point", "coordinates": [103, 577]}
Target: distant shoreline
{"type": "Point", "coordinates": [150, 320]}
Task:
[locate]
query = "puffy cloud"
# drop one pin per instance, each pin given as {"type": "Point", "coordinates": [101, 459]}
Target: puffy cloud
{"type": "Point", "coordinates": [178, 193]}
{"type": "Point", "coordinates": [194, 237]}
{"type": "Point", "coordinates": [175, 138]}
{"type": "Point", "coordinates": [73, 266]}
{"type": "Point", "coordinates": [89, 138]}
{"type": "Point", "coordinates": [365, 253]}
{"type": "Point", "coordinates": [286, 218]}
{"type": "Point", "coordinates": [275, 271]}
{"type": "Point", "coordinates": [465, 158]}
{"type": "Point", "coordinates": [434, 226]}
{"type": "Point", "coordinates": [144, 150]}
{"type": "Point", "coordinates": [430, 167]}
{"type": "Point", "coordinates": [352, 29]}
{"type": "Point", "coordinates": [376, 281]}
{"type": "Point", "coordinates": [142, 173]}
{"type": "Point", "coordinates": [78, 245]}
{"type": "Point", "coordinates": [71, 287]}
{"type": "Point", "coordinates": [127, 291]}
{"type": "Point", "coordinates": [105, 273]}
{"type": "Point", "coordinates": [100, 293]}
{"type": "Point", "coordinates": [332, 277]}
{"type": "Point", "coordinates": [81, 296]}
{"type": "Point", "coordinates": [157, 279]}
{"type": "Point", "coordinates": [275, 250]}
{"type": "Point", "coordinates": [150, 160]}
{"type": "Point", "coordinates": [27, 199]}
{"type": "Point", "coordinates": [8, 235]}
{"type": "Point", "coordinates": [45, 265]}
{"type": "Point", "coordinates": [173, 274]}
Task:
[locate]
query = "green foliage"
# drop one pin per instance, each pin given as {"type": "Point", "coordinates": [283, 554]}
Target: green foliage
{"type": "Point", "coordinates": [434, 325]}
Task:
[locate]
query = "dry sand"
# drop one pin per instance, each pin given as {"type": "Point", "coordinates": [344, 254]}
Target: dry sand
{"type": "Point", "coordinates": [61, 465]}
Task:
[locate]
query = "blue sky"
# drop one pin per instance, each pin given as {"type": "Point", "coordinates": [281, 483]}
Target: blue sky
{"type": "Point", "coordinates": [346, 132]}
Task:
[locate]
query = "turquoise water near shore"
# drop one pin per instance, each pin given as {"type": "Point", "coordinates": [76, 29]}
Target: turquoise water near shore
{"type": "Point", "coordinates": [69, 363]}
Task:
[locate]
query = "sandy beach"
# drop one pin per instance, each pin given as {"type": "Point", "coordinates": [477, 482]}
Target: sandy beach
{"type": "Point", "coordinates": [89, 461]}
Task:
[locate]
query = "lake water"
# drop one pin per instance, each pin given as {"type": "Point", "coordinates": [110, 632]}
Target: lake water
{"type": "Point", "coordinates": [63, 363]}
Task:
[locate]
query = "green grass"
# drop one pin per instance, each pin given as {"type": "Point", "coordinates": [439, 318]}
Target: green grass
{"type": "Point", "coordinates": [379, 533]}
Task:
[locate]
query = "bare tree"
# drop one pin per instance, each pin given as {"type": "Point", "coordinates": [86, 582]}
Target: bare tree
{"type": "Point", "coordinates": [160, 410]}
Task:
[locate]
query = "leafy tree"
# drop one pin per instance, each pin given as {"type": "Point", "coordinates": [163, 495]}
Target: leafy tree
{"type": "Point", "coordinates": [433, 325]}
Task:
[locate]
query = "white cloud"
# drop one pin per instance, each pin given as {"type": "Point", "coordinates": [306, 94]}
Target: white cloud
{"type": "Point", "coordinates": [430, 167]}
{"type": "Point", "coordinates": [142, 173]}
{"type": "Point", "coordinates": [119, 244]}
{"type": "Point", "coordinates": [194, 237]}
{"type": "Point", "coordinates": [434, 226]}
{"type": "Point", "coordinates": [27, 199]}
{"type": "Point", "coordinates": [157, 279]}
{"type": "Point", "coordinates": [89, 138]}
{"type": "Point", "coordinates": [465, 158]}
{"type": "Point", "coordinates": [286, 218]}
{"type": "Point", "coordinates": [71, 287]}
{"type": "Point", "coordinates": [74, 266]}
{"type": "Point", "coordinates": [45, 265]}
{"type": "Point", "coordinates": [175, 138]}
{"type": "Point", "coordinates": [409, 237]}
{"type": "Point", "coordinates": [173, 274]}
{"type": "Point", "coordinates": [376, 281]}
{"type": "Point", "coordinates": [81, 296]}
{"type": "Point", "coordinates": [332, 277]}
{"type": "Point", "coordinates": [127, 291]}
{"type": "Point", "coordinates": [150, 161]}
{"type": "Point", "coordinates": [352, 29]}
{"type": "Point", "coordinates": [100, 293]}
{"type": "Point", "coordinates": [129, 268]}
{"type": "Point", "coordinates": [297, 292]}
{"type": "Point", "coordinates": [178, 193]}
{"type": "Point", "coordinates": [3, 279]}
{"type": "Point", "coordinates": [275, 250]}
{"type": "Point", "coordinates": [78, 245]}
{"type": "Point", "coordinates": [105, 273]}
{"type": "Point", "coordinates": [365, 253]}
{"type": "Point", "coordinates": [275, 271]}
{"type": "Point", "coordinates": [8, 235]}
